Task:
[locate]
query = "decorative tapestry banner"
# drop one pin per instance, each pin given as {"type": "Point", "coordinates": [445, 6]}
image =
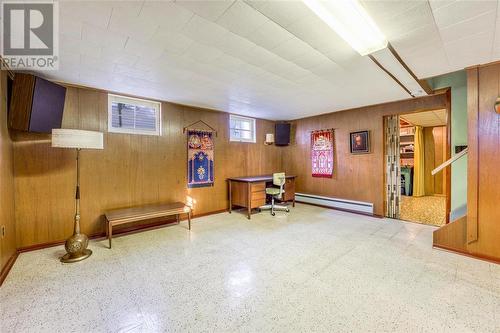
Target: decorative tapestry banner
{"type": "Point", "coordinates": [322, 153]}
{"type": "Point", "coordinates": [200, 158]}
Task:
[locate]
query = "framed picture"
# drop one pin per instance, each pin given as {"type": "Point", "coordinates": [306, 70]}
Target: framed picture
{"type": "Point", "coordinates": [360, 142]}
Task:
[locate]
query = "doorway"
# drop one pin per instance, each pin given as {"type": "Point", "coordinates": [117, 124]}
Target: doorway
{"type": "Point", "coordinates": [421, 145]}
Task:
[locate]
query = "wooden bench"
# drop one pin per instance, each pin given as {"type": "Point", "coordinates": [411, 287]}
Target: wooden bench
{"type": "Point", "coordinates": [140, 213]}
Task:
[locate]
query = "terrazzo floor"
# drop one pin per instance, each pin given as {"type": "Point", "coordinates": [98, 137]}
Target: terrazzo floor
{"type": "Point", "coordinates": [429, 209]}
{"type": "Point", "coordinates": [311, 270]}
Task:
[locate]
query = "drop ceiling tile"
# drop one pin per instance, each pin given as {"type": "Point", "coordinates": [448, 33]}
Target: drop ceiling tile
{"type": "Point", "coordinates": [417, 16]}
{"type": "Point", "coordinates": [285, 13]}
{"type": "Point", "coordinates": [436, 4]}
{"type": "Point", "coordinates": [259, 56]}
{"type": "Point", "coordinates": [291, 49]}
{"type": "Point", "coordinates": [205, 31]}
{"type": "Point", "coordinates": [427, 119]}
{"type": "Point", "coordinates": [70, 62]}
{"type": "Point", "coordinates": [287, 70]}
{"type": "Point", "coordinates": [146, 51]}
{"type": "Point", "coordinates": [229, 63]}
{"type": "Point", "coordinates": [481, 23]}
{"type": "Point", "coordinates": [328, 70]}
{"type": "Point", "coordinates": [235, 45]}
{"type": "Point", "coordinates": [311, 59]}
{"type": "Point", "coordinates": [458, 11]}
{"type": "Point", "coordinates": [319, 73]}
{"type": "Point", "coordinates": [72, 27]}
{"type": "Point", "coordinates": [131, 72]}
{"type": "Point", "coordinates": [118, 56]}
{"type": "Point", "coordinates": [472, 48]}
{"type": "Point", "coordinates": [202, 53]}
{"type": "Point", "coordinates": [137, 27]}
{"type": "Point", "coordinates": [427, 61]}
{"type": "Point", "coordinates": [103, 37]}
{"type": "Point", "coordinates": [97, 64]}
{"type": "Point", "coordinates": [79, 46]}
{"type": "Point", "coordinates": [416, 39]}
{"type": "Point", "coordinates": [172, 42]}
{"type": "Point", "coordinates": [127, 8]}
{"type": "Point", "coordinates": [442, 116]}
{"type": "Point", "coordinates": [321, 37]}
{"type": "Point", "coordinates": [211, 10]}
{"type": "Point", "coordinates": [94, 12]}
{"type": "Point", "coordinates": [257, 4]}
{"type": "Point", "coordinates": [269, 35]}
{"type": "Point", "coordinates": [241, 19]}
{"type": "Point", "coordinates": [387, 9]}
{"type": "Point", "coordinates": [170, 16]}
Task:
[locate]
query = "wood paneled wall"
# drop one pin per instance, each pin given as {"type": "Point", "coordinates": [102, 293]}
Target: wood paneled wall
{"type": "Point", "coordinates": [435, 154]}
{"type": "Point", "coordinates": [479, 233]}
{"type": "Point", "coordinates": [483, 197]}
{"type": "Point", "coordinates": [7, 217]}
{"type": "Point", "coordinates": [356, 177]}
{"type": "Point", "coordinates": [131, 170]}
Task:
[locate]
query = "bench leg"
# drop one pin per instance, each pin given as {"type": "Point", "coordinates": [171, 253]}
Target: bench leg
{"type": "Point", "coordinates": [110, 233]}
{"type": "Point", "coordinates": [106, 228]}
{"type": "Point", "coordinates": [189, 220]}
{"type": "Point", "coordinates": [178, 219]}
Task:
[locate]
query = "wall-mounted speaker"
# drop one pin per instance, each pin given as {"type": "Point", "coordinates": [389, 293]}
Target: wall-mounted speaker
{"type": "Point", "coordinates": [36, 105]}
{"type": "Point", "coordinates": [282, 134]}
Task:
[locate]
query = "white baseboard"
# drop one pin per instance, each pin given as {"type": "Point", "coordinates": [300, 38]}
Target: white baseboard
{"type": "Point", "coordinates": [356, 206]}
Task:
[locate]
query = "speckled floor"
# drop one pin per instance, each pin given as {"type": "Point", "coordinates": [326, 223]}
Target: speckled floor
{"type": "Point", "coordinates": [427, 210]}
{"type": "Point", "coordinates": [312, 269]}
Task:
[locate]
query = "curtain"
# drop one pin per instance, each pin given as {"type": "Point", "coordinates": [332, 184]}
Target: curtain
{"type": "Point", "coordinates": [393, 172]}
{"type": "Point", "coordinates": [418, 168]}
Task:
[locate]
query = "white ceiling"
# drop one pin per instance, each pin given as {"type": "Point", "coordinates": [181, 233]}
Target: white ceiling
{"type": "Point", "coordinates": [268, 59]}
{"type": "Point", "coordinates": [440, 36]}
{"type": "Point", "coordinates": [427, 118]}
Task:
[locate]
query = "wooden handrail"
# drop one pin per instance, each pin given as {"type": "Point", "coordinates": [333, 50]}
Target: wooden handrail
{"type": "Point", "coordinates": [451, 160]}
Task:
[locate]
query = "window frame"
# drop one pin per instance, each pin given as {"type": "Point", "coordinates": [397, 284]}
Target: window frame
{"type": "Point", "coordinates": [134, 101]}
{"type": "Point", "coordinates": [253, 131]}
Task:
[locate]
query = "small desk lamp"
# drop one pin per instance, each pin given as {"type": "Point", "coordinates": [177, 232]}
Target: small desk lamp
{"type": "Point", "coordinates": [76, 245]}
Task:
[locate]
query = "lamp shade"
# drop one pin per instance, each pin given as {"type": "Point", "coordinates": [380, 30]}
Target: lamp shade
{"type": "Point", "coordinates": [269, 138]}
{"type": "Point", "coordinates": [80, 139]}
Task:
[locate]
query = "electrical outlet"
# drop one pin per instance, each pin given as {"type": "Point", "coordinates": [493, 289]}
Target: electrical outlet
{"type": "Point", "coordinates": [2, 231]}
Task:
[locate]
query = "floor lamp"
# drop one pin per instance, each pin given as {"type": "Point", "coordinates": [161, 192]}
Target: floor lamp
{"type": "Point", "coordinates": [76, 245]}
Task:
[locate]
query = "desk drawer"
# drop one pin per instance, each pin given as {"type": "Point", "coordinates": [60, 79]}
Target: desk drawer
{"type": "Point", "coordinates": [258, 195]}
{"type": "Point", "coordinates": [258, 202]}
{"type": "Point", "coordinates": [257, 187]}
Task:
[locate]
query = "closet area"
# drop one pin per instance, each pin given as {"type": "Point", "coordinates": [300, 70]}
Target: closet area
{"type": "Point", "coordinates": [423, 147]}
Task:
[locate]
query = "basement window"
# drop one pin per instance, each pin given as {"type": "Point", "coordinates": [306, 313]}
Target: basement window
{"type": "Point", "coordinates": [133, 115]}
{"type": "Point", "coordinates": [241, 129]}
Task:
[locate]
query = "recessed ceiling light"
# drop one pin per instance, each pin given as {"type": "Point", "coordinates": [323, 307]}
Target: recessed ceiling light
{"type": "Point", "coordinates": [351, 22]}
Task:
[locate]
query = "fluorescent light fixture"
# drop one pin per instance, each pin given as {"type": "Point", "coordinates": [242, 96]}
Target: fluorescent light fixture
{"type": "Point", "coordinates": [350, 20]}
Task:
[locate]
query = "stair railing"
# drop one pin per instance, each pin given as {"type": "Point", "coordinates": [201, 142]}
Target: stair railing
{"type": "Point", "coordinates": [450, 161]}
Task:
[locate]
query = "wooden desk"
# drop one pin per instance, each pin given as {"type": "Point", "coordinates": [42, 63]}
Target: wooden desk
{"type": "Point", "coordinates": [250, 192]}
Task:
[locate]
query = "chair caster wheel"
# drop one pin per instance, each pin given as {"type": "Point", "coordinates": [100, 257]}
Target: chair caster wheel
{"type": "Point", "coordinates": [273, 213]}
{"type": "Point", "coordinates": [288, 210]}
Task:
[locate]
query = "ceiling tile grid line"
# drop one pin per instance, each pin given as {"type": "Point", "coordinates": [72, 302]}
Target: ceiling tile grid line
{"type": "Point", "coordinates": [273, 59]}
{"type": "Point", "coordinates": [193, 16]}
{"type": "Point", "coordinates": [439, 33]}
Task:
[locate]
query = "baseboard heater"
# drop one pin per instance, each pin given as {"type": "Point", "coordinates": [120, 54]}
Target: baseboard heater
{"type": "Point", "coordinates": [355, 206]}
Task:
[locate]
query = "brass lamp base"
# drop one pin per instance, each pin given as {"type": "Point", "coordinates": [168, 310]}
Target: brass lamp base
{"type": "Point", "coordinates": [69, 258]}
{"type": "Point", "coordinates": [76, 246]}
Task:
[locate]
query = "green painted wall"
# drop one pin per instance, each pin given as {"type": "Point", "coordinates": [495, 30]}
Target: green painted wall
{"type": "Point", "coordinates": [458, 83]}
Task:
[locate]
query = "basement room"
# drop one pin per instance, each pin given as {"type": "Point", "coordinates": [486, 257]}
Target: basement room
{"type": "Point", "coordinates": [249, 166]}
